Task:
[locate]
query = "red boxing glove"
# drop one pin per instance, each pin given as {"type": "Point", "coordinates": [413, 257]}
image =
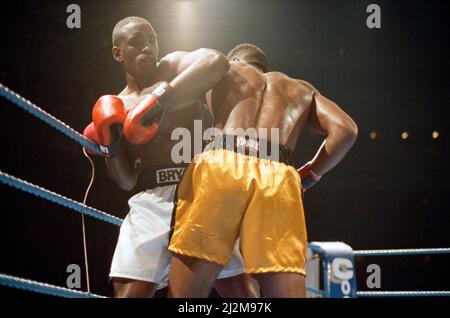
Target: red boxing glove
{"type": "Point", "coordinates": [108, 116]}
{"type": "Point", "coordinates": [90, 133]}
{"type": "Point", "coordinates": [142, 122]}
{"type": "Point", "coordinates": [308, 177]}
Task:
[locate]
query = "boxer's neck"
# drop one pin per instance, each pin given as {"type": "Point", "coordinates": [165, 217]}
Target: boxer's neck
{"type": "Point", "coordinates": [137, 84]}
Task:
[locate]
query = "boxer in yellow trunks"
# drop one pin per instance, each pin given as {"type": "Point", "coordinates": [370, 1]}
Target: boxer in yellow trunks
{"type": "Point", "coordinates": [244, 184]}
{"type": "Point", "coordinates": [241, 196]}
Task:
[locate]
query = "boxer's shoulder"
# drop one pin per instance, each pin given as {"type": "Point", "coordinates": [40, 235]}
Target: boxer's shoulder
{"type": "Point", "coordinates": [277, 79]}
{"type": "Point", "coordinates": [293, 84]}
{"type": "Point", "coordinates": [296, 89]}
{"type": "Point", "coordinates": [280, 80]}
{"type": "Point", "coordinates": [277, 75]}
{"type": "Point", "coordinates": [305, 84]}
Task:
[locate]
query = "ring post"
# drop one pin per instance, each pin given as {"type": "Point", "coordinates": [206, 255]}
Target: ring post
{"type": "Point", "coordinates": [330, 270]}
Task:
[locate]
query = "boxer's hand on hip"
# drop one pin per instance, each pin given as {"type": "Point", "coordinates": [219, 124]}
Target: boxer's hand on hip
{"type": "Point", "coordinates": [308, 177]}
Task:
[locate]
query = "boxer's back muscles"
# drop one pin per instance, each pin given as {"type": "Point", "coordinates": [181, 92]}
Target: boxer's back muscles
{"type": "Point", "coordinates": [248, 98]}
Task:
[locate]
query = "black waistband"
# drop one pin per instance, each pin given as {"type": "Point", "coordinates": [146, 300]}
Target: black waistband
{"type": "Point", "coordinates": [249, 146]}
{"type": "Point", "coordinates": [153, 177]}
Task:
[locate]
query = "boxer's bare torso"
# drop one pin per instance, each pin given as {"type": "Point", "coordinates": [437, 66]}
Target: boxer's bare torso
{"type": "Point", "coordinates": [248, 98]}
{"type": "Point", "coordinates": [157, 152]}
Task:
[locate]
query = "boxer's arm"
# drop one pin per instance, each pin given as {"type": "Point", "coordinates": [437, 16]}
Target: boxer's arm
{"type": "Point", "coordinates": [340, 130]}
{"type": "Point", "coordinates": [121, 171]}
{"type": "Point", "coordinates": [194, 73]}
{"type": "Point", "coordinates": [208, 99]}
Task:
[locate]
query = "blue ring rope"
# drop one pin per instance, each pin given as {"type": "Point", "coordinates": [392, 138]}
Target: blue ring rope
{"type": "Point", "coordinates": [406, 251]}
{"type": "Point", "coordinates": [57, 198]}
{"type": "Point", "coordinates": [43, 288]}
{"type": "Point", "coordinates": [47, 118]}
{"type": "Point", "coordinates": [403, 293]}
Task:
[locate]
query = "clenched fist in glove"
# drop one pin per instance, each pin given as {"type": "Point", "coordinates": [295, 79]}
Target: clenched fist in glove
{"type": "Point", "coordinates": [142, 122]}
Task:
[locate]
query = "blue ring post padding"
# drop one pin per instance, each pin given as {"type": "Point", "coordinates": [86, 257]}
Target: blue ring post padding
{"type": "Point", "coordinates": [315, 291]}
{"type": "Point", "coordinates": [47, 118]}
{"type": "Point", "coordinates": [57, 198]}
{"type": "Point", "coordinates": [337, 269]}
{"type": "Point", "coordinates": [43, 288]}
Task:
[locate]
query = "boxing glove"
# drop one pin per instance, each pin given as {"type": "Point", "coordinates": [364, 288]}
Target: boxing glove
{"type": "Point", "coordinates": [142, 122]}
{"type": "Point", "coordinates": [108, 116]}
{"type": "Point", "coordinates": [90, 133]}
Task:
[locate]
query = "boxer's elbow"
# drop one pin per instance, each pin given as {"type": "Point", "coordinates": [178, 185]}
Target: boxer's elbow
{"type": "Point", "coordinates": [218, 64]}
{"type": "Point", "coordinates": [223, 64]}
{"type": "Point", "coordinates": [350, 133]}
{"type": "Point", "coordinates": [346, 131]}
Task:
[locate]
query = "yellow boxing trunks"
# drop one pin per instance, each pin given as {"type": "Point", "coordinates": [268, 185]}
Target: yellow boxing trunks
{"type": "Point", "coordinates": [224, 195]}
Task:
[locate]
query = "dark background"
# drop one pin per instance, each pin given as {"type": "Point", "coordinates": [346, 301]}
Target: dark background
{"type": "Point", "coordinates": [387, 193]}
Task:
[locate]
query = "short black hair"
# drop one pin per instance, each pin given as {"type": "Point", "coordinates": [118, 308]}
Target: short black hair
{"type": "Point", "coordinates": [257, 55]}
{"type": "Point", "coordinates": [119, 25]}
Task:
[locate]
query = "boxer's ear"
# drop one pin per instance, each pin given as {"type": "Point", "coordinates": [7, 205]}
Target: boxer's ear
{"type": "Point", "coordinates": [117, 53]}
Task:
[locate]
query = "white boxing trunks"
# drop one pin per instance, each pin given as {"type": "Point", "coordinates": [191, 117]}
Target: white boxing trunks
{"type": "Point", "coordinates": [141, 252]}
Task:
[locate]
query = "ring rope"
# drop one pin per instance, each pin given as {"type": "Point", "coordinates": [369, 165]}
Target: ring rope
{"type": "Point", "coordinates": [389, 293]}
{"type": "Point", "coordinates": [406, 251]}
{"type": "Point", "coordinates": [43, 288]}
{"type": "Point", "coordinates": [57, 198]}
{"type": "Point", "coordinates": [47, 118]}
{"type": "Point", "coordinates": [402, 293]}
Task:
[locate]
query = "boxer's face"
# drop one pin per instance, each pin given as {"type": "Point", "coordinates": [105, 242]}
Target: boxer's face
{"type": "Point", "coordinates": [138, 49]}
